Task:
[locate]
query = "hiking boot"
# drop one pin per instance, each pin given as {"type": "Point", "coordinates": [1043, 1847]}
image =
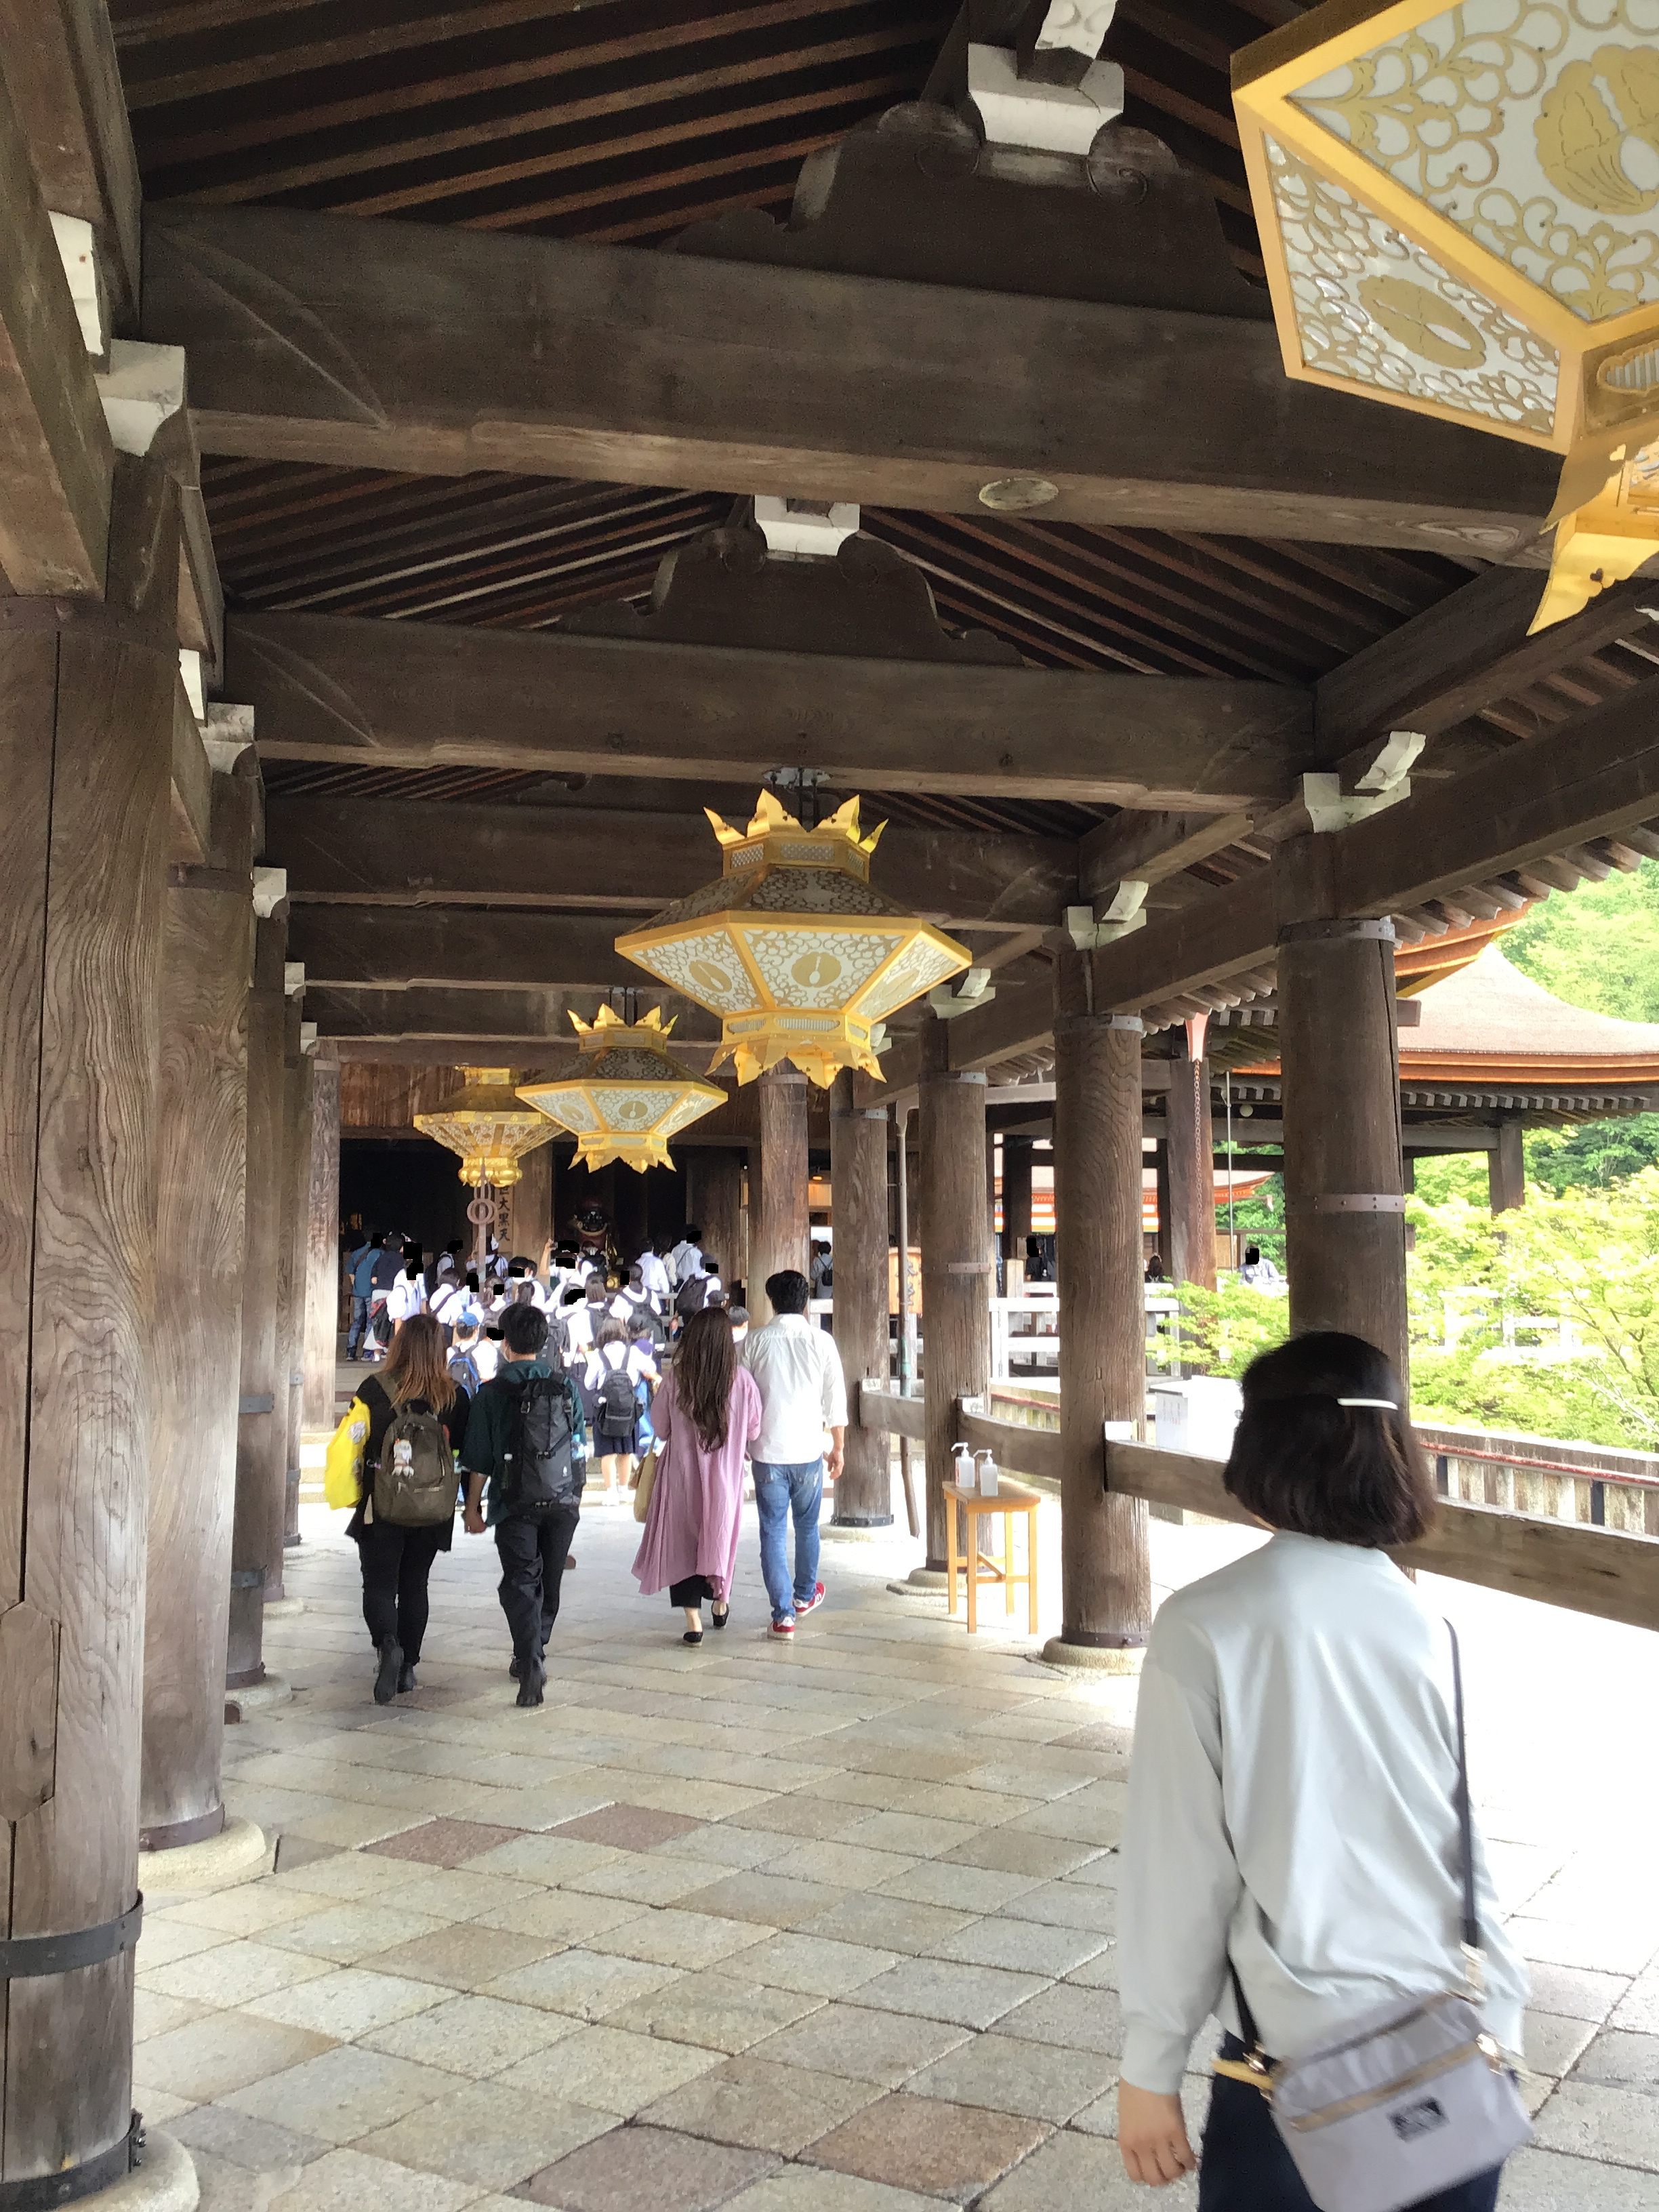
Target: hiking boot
{"type": "Point", "coordinates": [391, 1664]}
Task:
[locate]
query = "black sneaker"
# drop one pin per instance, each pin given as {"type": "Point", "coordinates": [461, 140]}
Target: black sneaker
{"type": "Point", "coordinates": [530, 1688]}
{"type": "Point", "coordinates": [391, 1664]}
{"type": "Point", "coordinates": [406, 1679]}
{"type": "Point", "coordinates": [512, 1667]}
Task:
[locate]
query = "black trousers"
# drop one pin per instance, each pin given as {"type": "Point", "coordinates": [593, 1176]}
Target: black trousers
{"type": "Point", "coordinates": [1245, 2168]}
{"type": "Point", "coordinates": [396, 1563]}
{"type": "Point", "coordinates": [695, 1590]}
{"type": "Point", "coordinates": [532, 1556]}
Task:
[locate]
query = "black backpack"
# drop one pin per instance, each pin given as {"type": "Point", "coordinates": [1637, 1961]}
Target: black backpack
{"type": "Point", "coordinates": [692, 1296]}
{"type": "Point", "coordinates": [615, 1408]}
{"type": "Point", "coordinates": [544, 1477]}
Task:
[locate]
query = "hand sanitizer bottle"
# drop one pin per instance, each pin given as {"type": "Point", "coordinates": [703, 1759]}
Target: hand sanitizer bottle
{"type": "Point", "coordinates": [988, 1473]}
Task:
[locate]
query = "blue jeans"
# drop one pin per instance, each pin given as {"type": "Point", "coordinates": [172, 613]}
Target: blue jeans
{"type": "Point", "coordinates": [1246, 2167]}
{"type": "Point", "coordinates": [781, 1493]}
{"type": "Point", "coordinates": [359, 1323]}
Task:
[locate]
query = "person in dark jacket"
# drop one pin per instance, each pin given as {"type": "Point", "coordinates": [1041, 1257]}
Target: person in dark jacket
{"type": "Point", "coordinates": [397, 1561]}
{"type": "Point", "coordinates": [533, 1548]}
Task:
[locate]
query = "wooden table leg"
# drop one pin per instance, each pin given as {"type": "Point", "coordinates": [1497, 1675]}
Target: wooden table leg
{"type": "Point", "coordinates": [951, 1555]}
{"type": "Point", "coordinates": [1031, 1564]}
{"type": "Point", "coordinates": [972, 1568]}
{"type": "Point", "coordinates": [1008, 1576]}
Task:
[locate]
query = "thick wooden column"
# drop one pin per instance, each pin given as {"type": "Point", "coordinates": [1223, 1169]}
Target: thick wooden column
{"type": "Point", "coordinates": [1105, 1572]}
{"type": "Point", "coordinates": [294, 1236]}
{"type": "Point", "coordinates": [1189, 1235]}
{"type": "Point", "coordinates": [1344, 1202]}
{"type": "Point", "coordinates": [86, 730]}
{"type": "Point", "coordinates": [324, 1252]}
{"type": "Point", "coordinates": [1506, 1168]}
{"type": "Point", "coordinates": [532, 1203]}
{"type": "Point", "coordinates": [858, 1188]}
{"type": "Point", "coordinates": [718, 1212]}
{"type": "Point", "coordinates": [778, 1232]}
{"type": "Point", "coordinates": [201, 1135]}
{"type": "Point", "coordinates": [1016, 1197]}
{"type": "Point", "coordinates": [631, 1215]}
{"type": "Point", "coordinates": [262, 1426]}
{"type": "Point", "coordinates": [956, 1261]}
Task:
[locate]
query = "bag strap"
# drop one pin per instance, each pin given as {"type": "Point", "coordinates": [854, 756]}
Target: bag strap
{"type": "Point", "coordinates": [1473, 1961]}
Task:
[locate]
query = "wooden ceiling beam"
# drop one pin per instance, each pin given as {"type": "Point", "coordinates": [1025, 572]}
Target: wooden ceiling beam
{"type": "Point", "coordinates": [534, 1022]}
{"type": "Point", "coordinates": [347, 947]}
{"type": "Point", "coordinates": [436, 351]}
{"type": "Point", "coordinates": [56, 463]}
{"type": "Point", "coordinates": [1150, 847]}
{"type": "Point", "coordinates": [419, 694]}
{"type": "Point", "coordinates": [382, 852]}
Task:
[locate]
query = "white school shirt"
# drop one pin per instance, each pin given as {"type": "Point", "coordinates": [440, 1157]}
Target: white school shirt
{"type": "Point", "coordinates": [688, 1262]}
{"type": "Point", "coordinates": [653, 1275]}
{"type": "Point", "coordinates": [404, 1298]}
{"type": "Point", "coordinates": [803, 1390]}
{"type": "Point", "coordinates": [1290, 1805]}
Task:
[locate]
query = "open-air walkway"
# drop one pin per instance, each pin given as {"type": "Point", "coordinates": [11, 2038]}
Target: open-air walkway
{"type": "Point", "coordinates": [827, 1926]}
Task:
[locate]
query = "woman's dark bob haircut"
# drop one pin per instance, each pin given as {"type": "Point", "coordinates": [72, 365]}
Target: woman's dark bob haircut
{"type": "Point", "coordinates": [1303, 1460]}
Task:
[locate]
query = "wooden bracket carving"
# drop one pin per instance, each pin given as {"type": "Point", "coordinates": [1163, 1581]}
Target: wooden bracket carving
{"type": "Point", "coordinates": [28, 1710]}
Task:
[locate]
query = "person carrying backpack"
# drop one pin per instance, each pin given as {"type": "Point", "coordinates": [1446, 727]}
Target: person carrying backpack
{"type": "Point", "coordinates": [527, 1439]}
{"type": "Point", "coordinates": [417, 1413]}
{"type": "Point", "coordinates": [609, 1386]}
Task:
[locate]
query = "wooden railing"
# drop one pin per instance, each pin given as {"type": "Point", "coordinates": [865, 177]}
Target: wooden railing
{"type": "Point", "coordinates": [1585, 1569]}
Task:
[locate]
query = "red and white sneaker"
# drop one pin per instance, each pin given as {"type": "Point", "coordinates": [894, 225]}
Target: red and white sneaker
{"type": "Point", "coordinates": [783, 1628]}
{"type": "Point", "coordinates": [812, 1602]}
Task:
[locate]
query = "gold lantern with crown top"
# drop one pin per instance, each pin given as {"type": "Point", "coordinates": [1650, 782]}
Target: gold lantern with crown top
{"type": "Point", "coordinates": [793, 948]}
{"type": "Point", "coordinates": [626, 1096]}
{"type": "Point", "coordinates": [1459, 209]}
{"type": "Point", "coordinates": [491, 1128]}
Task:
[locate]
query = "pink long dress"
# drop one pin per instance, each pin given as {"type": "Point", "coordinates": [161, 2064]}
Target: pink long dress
{"type": "Point", "coordinates": [696, 1502]}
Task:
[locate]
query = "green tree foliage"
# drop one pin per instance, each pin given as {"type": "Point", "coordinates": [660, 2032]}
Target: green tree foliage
{"type": "Point", "coordinates": [1597, 946]}
{"type": "Point", "coordinates": [1223, 1330]}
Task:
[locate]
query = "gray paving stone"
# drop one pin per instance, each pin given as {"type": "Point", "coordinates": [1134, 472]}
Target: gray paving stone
{"type": "Point", "coordinates": [1593, 2121]}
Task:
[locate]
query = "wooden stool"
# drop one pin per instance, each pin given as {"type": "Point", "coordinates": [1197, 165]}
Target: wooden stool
{"type": "Point", "coordinates": [962, 1497]}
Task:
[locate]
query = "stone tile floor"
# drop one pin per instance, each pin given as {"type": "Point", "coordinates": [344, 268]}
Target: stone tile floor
{"type": "Point", "coordinates": [819, 1928]}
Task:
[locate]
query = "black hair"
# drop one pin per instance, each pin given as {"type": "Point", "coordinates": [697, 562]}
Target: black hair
{"type": "Point", "coordinates": [789, 1292]}
{"type": "Point", "coordinates": [1307, 1458]}
{"type": "Point", "coordinates": [710, 1266]}
{"type": "Point", "coordinates": [575, 1296]}
{"type": "Point", "coordinates": [524, 1331]}
{"type": "Point", "coordinates": [693, 1234]}
{"type": "Point", "coordinates": [1252, 1253]}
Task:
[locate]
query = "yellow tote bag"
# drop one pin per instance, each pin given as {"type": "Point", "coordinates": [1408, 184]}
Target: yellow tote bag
{"type": "Point", "coordinates": [342, 1469]}
{"type": "Point", "coordinates": [644, 1483]}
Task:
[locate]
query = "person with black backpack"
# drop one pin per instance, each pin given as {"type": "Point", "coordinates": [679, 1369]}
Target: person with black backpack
{"type": "Point", "coordinates": [609, 1387]}
{"type": "Point", "coordinates": [526, 1438]}
{"type": "Point", "coordinates": [417, 1414]}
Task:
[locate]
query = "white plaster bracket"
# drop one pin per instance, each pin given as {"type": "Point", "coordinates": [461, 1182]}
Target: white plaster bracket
{"type": "Point", "coordinates": [973, 989]}
{"type": "Point", "coordinates": [77, 249]}
{"type": "Point", "coordinates": [805, 525]}
{"type": "Point", "coordinates": [227, 733]}
{"type": "Point", "coordinates": [270, 890]}
{"type": "Point", "coordinates": [1080, 24]}
{"type": "Point", "coordinates": [1394, 762]}
{"type": "Point", "coordinates": [144, 384]}
{"type": "Point", "coordinates": [190, 667]}
{"type": "Point", "coordinates": [294, 977]}
{"type": "Point", "coordinates": [1054, 118]}
{"type": "Point", "coordinates": [1383, 784]}
{"type": "Point", "coordinates": [307, 1036]}
{"type": "Point", "coordinates": [1124, 913]}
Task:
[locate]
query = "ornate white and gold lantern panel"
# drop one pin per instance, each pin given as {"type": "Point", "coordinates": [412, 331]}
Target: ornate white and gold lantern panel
{"type": "Point", "coordinates": [1459, 210]}
{"type": "Point", "coordinates": [793, 948]}
{"type": "Point", "coordinates": [625, 1096]}
{"type": "Point", "coordinates": [489, 1126]}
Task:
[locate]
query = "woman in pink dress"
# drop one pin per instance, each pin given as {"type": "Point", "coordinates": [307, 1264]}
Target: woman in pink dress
{"type": "Point", "coordinates": [706, 1415]}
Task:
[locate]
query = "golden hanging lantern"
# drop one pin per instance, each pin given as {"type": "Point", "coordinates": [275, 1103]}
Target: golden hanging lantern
{"type": "Point", "coordinates": [1459, 210]}
{"type": "Point", "coordinates": [625, 1097]}
{"type": "Point", "coordinates": [489, 1126]}
{"type": "Point", "coordinates": [793, 948]}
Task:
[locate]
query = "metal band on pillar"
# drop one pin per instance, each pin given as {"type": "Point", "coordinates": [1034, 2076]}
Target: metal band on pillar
{"type": "Point", "coordinates": [44, 2192]}
{"type": "Point", "coordinates": [1343, 928]}
{"type": "Point", "coordinates": [1348, 1201]}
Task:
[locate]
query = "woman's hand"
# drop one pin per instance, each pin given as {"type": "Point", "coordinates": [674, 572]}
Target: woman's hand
{"type": "Point", "coordinates": [1151, 2135]}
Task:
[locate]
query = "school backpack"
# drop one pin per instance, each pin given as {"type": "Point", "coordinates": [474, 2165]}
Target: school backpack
{"type": "Point", "coordinates": [692, 1296]}
{"type": "Point", "coordinates": [463, 1370]}
{"type": "Point", "coordinates": [415, 1478]}
{"type": "Point", "coordinates": [543, 1476]}
{"type": "Point", "coordinates": [615, 1408]}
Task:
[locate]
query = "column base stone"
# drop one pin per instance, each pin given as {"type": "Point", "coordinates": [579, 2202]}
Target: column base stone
{"type": "Point", "coordinates": [238, 1851]}
{"type": "Point", "coordinates": [165, 2182]}
{"type": "Point", "coordinates": [284, 1608]}
{"type": "Point", "coordinates": [1093, 1658]}
{"type": "Point", "coordinates": [257, 1696]}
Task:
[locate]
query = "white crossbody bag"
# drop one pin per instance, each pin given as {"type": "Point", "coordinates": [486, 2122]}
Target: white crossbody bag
{"type": "Point", "coordinates": [1409, 2099]}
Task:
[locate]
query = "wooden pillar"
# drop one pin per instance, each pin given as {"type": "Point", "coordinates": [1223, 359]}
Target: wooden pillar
{"type": "Point", "coordinates": [294, 1237]}
{"type": "Point", "coordinates": [1189, 1246]}
{"type": "Point", "coordinates": [858, 1187]}
{"type": "Point", "coordinates": [955, 1264]}
{"type": "Point", "coordinates": [780, 1236]}
{"type": "Point", "coordinates": [262, 1424]}
{"type": "Point", "coordinates": [1506, 1168]}
{"type": "Point", "coordinates": [1016, 1196]}
{"type": "Point", "coordinates": [87, 695]}
{"type": "Point", "coordinates": [324, 1255]}
{"type": "Point", "coordinates": [201, 1135]}
{"type": "Point", "coordinates": [1105, 1569]}
{"type": "Point", "coordinates": [532, 1203]}
{"type": "Point", "coordinates": [720, 1213]}
{"type": "Point", "coordinates": [630, 1215]}
{"type": "Point", "coordinates": [1344, 1204]}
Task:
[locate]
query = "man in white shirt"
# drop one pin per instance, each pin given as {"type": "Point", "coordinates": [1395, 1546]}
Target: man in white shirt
{"type": "Point", "coordinates": [654, 1277]}
{"type": "Point", "coordinates": [407, 1295]}
{"type": "Point", "coordinates": [803, 1393]}
{"type": "Point", "coordinates": [686, 1258]}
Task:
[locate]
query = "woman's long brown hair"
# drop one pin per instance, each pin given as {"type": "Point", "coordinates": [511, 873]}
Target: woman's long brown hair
{"type": "Point", "coordinates": [416, 1365]}
{"type": "Point", "coordinates": [705, 1366]}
